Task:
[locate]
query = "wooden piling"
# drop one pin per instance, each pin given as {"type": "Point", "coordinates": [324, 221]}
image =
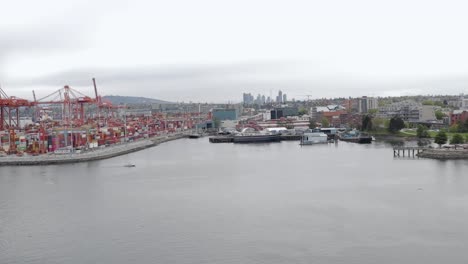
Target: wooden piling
{"type": "Point", "coordinates": [412, 151]}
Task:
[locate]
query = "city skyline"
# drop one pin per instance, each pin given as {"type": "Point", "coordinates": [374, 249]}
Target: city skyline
{"type": "Point", "coordinates": [261, 99]}
{"type": "Point", "coordinates": [163, 51]}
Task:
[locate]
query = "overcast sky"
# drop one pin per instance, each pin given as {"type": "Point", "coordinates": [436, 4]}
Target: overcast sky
{"type": "Point", "coordinates": [214, 50]}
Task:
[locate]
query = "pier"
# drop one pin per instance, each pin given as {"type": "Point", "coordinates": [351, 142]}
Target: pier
{"type": "Point", "coordinates": [412, 151]}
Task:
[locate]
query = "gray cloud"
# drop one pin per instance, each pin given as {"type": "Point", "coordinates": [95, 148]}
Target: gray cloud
{"type": "Point", "coordinates": [40, 39]}
{"type": "Point", "coordinates": [345, 55]}
{"type": "Point", "coordinates": [59, 30]}
{"type": "Point", "coordinates": [223, 83]}
{"type": "Point", "coordinates": [163, 73]}
{"type": "Point", "coordinates": [177, 83]}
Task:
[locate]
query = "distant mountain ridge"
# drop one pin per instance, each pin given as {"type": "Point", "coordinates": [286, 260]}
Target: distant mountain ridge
{"type": "Point", "coordinates": [117, 99]}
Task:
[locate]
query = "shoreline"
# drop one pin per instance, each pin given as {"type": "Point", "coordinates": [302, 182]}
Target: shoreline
{"type": "Point", "coordinates": [130, 147]}
{"type": "Point", "coordinates": [393, 137]}
{"type": "Point", "coordinates": [444, 154]}
{"type": "Point", "coordinates": [97, 154]}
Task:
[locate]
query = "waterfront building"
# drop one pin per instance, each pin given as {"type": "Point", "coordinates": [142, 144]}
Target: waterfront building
{"type": "Point", "coordinates": [207, 124]}
{"type": "Point", "coordinates": [409, 111]}
{"type": "Point", "coordinates": [464, 103]}
{"type": "Point", "coordinates": [367, 103]}
{"type": "Point", "coordinates": [279, 112]}
{"type": "Point", "coordinates": [458, 116]}
{"type": "Point", "coordinates": [317, 111]}
{"type": "Point", "coordinates": [362, 105]}
{"type": "Point", "coordinates": [228, 124]}
{"type": "Point", "coordinates": [348, 104]}
{"type": "Point", "coordinates": [224, 113]}
{"type": "Point", "coordinates": [427, 113]}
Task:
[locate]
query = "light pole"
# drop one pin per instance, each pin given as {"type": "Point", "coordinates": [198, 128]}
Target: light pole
{"type": "Point", "coordinates": [125, 127]}
{"type": "Point", "coordinates": [9, 141]}
{"type": "Point", "coordinates": [125, 123]}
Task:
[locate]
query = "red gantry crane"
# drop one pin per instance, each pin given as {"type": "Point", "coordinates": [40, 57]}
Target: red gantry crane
{"type": "Point", "coordinates": [72, 102]}
{"type": "Point", "coordinates": [10, 116]}
{"type": "Point", "coordinates": [10, 110]}
{"type": "Point", "coordinates": [105, 107]}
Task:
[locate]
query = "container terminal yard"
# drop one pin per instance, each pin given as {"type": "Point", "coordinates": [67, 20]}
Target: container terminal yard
{"type": "Point", "coordinates": [70, 122]}
{"type": "Point", "coordinates": [70, 126]}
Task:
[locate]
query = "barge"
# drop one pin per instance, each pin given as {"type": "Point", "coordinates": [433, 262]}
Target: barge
{"type": "Point", "coordinates": [256, 138]}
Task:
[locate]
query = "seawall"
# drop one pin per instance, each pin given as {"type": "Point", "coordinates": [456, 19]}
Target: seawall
{"type": "Point", "coordinates": [95, 154]}
{"type": "Point", "coordinates": [444, 154]}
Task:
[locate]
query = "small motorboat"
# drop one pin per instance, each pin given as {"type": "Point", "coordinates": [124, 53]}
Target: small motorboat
{"type": "Point", "coordinates": [129, 165]}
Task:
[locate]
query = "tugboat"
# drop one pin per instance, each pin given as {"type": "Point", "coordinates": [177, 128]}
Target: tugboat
{"type": "Point", "coordinates": [356, 137]}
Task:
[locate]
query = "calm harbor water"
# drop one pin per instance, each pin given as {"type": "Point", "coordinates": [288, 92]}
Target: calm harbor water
{"type": "Point", "coordinates": [189, 201]}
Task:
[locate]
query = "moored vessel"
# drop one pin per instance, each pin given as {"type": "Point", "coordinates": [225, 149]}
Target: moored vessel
{"type": "Point", "coordinates": [356, 136]}
{"type": "Point", "coordinates": [313, 137]}
{"type": "Point", "coordinates": [249, 136]}
{"type": "Point", "coordinates": [259, 138]}
{"type": "Point", "coordinates": [195, 135]}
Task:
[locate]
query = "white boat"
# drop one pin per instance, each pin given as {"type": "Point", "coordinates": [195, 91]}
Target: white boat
{"type": "Point", "coordinates": [311, 138]}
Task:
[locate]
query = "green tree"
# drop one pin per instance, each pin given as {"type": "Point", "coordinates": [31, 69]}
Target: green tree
{"type": "Point", "coordinates": [366, 123]}
{"type": "Point", "coordinates": [430, 102]}
{"type": "Point", "coordinates": [457, 139]}
{"type": "Point", "coordinates": [440, 138]}
{"type": "Point", "coordinates": [312, 124]}
{"type": "Point", "coordinates": [439, 114]}
{"type": "Point", "coordinates": [463, 127]}
{"type": "Point", "coordinates": [396, 123]}
{"type": "Point", "coordinates": [378, 123]}
{"type": "Point", "coordinates": [386, 123]}
{"type": "Point", "coordinates": [454, 128]}
{"type": "Point", "coordinates": [373, 111]}
{"type": "Point", "coordinates": [302, 111]}
{"type": "Point", "coordinates": [422, 132]}
{"type": "Point", "coordinates": [325, 122]}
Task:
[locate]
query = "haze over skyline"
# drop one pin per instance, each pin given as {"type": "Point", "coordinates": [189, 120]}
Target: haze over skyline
{"type": "Point", "coordinates": [213, 51]}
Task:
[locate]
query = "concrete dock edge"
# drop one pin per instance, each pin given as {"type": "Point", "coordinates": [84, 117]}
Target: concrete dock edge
{"type": "Point", "coordinates": [98, 154]}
